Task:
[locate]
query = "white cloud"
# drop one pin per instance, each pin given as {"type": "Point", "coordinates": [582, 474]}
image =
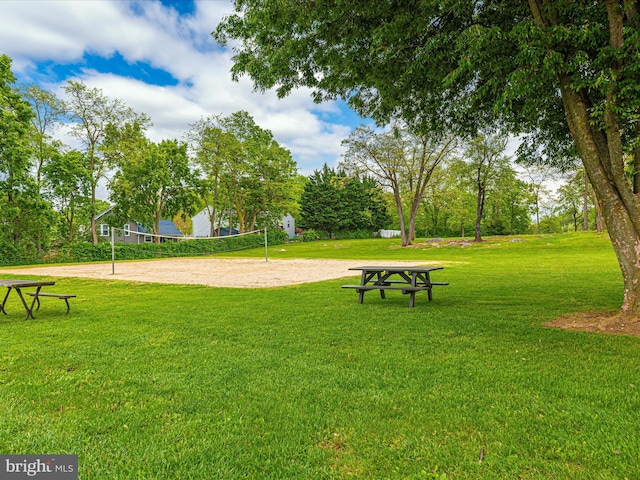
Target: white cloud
{"type": "Point", "coordinates": [62, 31]}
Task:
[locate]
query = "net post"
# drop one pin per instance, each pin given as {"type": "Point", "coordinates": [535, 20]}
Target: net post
{"type": "Point", "coordinates": [266, 248]}
{"type": "Point", "coordinates": [113, 252]}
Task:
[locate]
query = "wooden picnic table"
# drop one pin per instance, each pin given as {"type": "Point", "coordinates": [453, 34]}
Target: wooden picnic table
{"type": "Point", "coordinates": [408, 279]}
{"type": "Point", "coordinates": [18, 285]}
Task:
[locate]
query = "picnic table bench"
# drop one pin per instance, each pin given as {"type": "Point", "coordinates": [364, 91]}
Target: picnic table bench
{"type": "Point", "coordinates": [61, 296]}
{"type": "Point", "coordinates": [408, 280]}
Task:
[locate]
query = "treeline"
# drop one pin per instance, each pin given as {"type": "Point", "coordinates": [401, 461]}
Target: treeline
{"type": "Point", "coordinates": [48, 190]}
{"type": "Point", "coordinates": [440, 187]}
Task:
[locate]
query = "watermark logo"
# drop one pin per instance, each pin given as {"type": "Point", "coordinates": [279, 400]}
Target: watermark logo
{"type": "Point", "coordinates": [45, 467]}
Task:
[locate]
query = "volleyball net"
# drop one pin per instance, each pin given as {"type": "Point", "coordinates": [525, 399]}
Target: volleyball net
{"type": "Point", "coordinates": [130, 245]}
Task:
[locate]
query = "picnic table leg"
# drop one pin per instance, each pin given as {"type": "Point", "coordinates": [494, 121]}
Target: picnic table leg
{"type": "Point", "coordinates": [381, 291]}
{"type": "Point", "coordinates": [414, 283]}
{"type": "Point", "coordinates": [5, 300]}
{"type": "Point", "coordinates": [26, 307]}
{"type": "Point", "coordinates": [428, 282]}
{"type": "Point", "coordinates": [363, 281]}
{"type": "Point", "coordinates": [33, 302]}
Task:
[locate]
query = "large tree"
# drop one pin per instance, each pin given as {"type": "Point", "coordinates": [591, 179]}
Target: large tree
{"type": "Point", "coordinates": [48, 115]}
{"type": "Point", "coordinates": [402, 162]}
{"type": "Point", "coordinates": [486, 163]}
{"type": "Point", "coordinates": [565, 72]}
{"type": "Point", "coordinates": [258, 173]}
{"type": "Point", "coordinates": [320, 204]}
{"type": "Point", "coordinates": [17, 187]}
{"type": "Point", "coordinates": [211, 146]}
{"type": "Point", "coordinates": [335, 202]}
{"type": "Point", "coordinates": [92, 112]}
{"type": "Point", "coordinates": [67, 185]}
{"type": "Point", "coordinates": [153, 180]}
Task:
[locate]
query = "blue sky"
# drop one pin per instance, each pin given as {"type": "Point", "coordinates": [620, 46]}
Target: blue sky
{"type": "Point", "coordinates": [158, 57]}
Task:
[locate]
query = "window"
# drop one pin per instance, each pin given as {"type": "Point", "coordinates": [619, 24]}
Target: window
{"type": "Point", "coordinates": [127, 230]}
{"type": "Point", "coordinates": [104, 230]}
{"type": "Point", "coordinates": [148, 239]}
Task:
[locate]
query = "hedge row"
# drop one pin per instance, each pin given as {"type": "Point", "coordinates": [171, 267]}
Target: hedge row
{"type": "Point", "coordinates": [311, 235]}
{"type": "Point", "coordinates": [87, 252]}
{"type": "Point", "coordinates": [123, 251]}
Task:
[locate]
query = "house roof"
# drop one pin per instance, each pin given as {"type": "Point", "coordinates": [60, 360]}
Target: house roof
{"type": "Point", "coordinates": [224, 231]}
{"type": "Point", "coordinates": [104, 212]}
{"type": "Point", "coordinates": [167, 227]}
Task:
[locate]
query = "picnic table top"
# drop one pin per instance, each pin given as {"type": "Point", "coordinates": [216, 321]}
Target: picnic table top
{"type": "Point", "coordinates": [25, 283]}
{"type": "Point", "coordinates": [396, 268]}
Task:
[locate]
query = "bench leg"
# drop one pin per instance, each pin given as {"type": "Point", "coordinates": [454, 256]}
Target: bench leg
{"type": "Point", "coordinates": [360, 296]}
{"type": "Point", "coordinates": [66, 300]}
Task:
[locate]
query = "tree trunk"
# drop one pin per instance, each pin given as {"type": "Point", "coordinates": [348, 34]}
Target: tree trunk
{"type": "Point", "coordinates": [585, 206]}
{"type": "Point", "coordinates": [94, 233]}
{"type": "Point", "coordinates": [212, 223]}
{"type": "Point", "coordinates": [156, 226]}
{"type": "Point", "coordinates": [479, 213]}
{"type": "Point", "coordinates": [415, 208]}
{"type": "Point", "coordinates": [602, 157]}
{"type": "Point", "coordinates": [403, 230]}
{"type": "Point", "coordinates": [70, 223]}
{"type": "Point", "coordinates": [626, 244]}
{"type": "Point", "coordinates": [538, 214]}
{"type": "Point", "coordinates": [599, 219]}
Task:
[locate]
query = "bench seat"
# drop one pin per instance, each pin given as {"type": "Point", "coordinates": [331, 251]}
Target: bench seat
{"type": "Point", "coordinates": [393, 282]}
{"type": "Point", "coordinates": [61, 296]}
{"type": "Point", "coordinates": [387, 287]}
{"type": "Point", "coordinates": [406, 289]}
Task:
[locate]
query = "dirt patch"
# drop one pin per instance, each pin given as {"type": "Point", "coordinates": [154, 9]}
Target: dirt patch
{"type": "Point", "coordinates": [602, 322]}
{"type": "Point", "coordinates": [213, 272]}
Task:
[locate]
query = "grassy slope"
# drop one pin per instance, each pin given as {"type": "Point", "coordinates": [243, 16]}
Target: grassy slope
{"type": "Point", "coordinates": [161, 381]}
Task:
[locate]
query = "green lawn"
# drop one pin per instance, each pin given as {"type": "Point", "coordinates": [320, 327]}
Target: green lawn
{"type": "Point", "coordinates": [146, 381]}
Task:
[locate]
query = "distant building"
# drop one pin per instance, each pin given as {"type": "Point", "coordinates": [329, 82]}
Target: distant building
{"type": "Point", "coordinates": [390, 233]}
{"type": "Point", "coordinates": [289, 225]}
{"type": "Point", "coordinates": [202, 225]}
{"type": "Point", "coordinates": [132, 232]}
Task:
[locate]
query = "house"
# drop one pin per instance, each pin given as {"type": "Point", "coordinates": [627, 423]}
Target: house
{"type": "Point", "coordinates": [202, 225]}
{"type": "Point", "coordinates": [289, 225]}
{"type": "Point", "coordinates": [133, 232]}
{"type": "Point", "coordinates": [167, 229]}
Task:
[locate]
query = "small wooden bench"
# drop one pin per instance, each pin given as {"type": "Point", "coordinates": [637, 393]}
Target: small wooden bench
{"type": "Point", "coordinates": [61, 296]}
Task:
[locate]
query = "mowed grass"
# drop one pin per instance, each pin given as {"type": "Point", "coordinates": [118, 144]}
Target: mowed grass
{"type": "Point", "coordinates": [149, 381]}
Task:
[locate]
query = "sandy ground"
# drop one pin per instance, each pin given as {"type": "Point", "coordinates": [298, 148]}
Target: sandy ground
{"type": "Point", "coordinates": [213, 272]}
